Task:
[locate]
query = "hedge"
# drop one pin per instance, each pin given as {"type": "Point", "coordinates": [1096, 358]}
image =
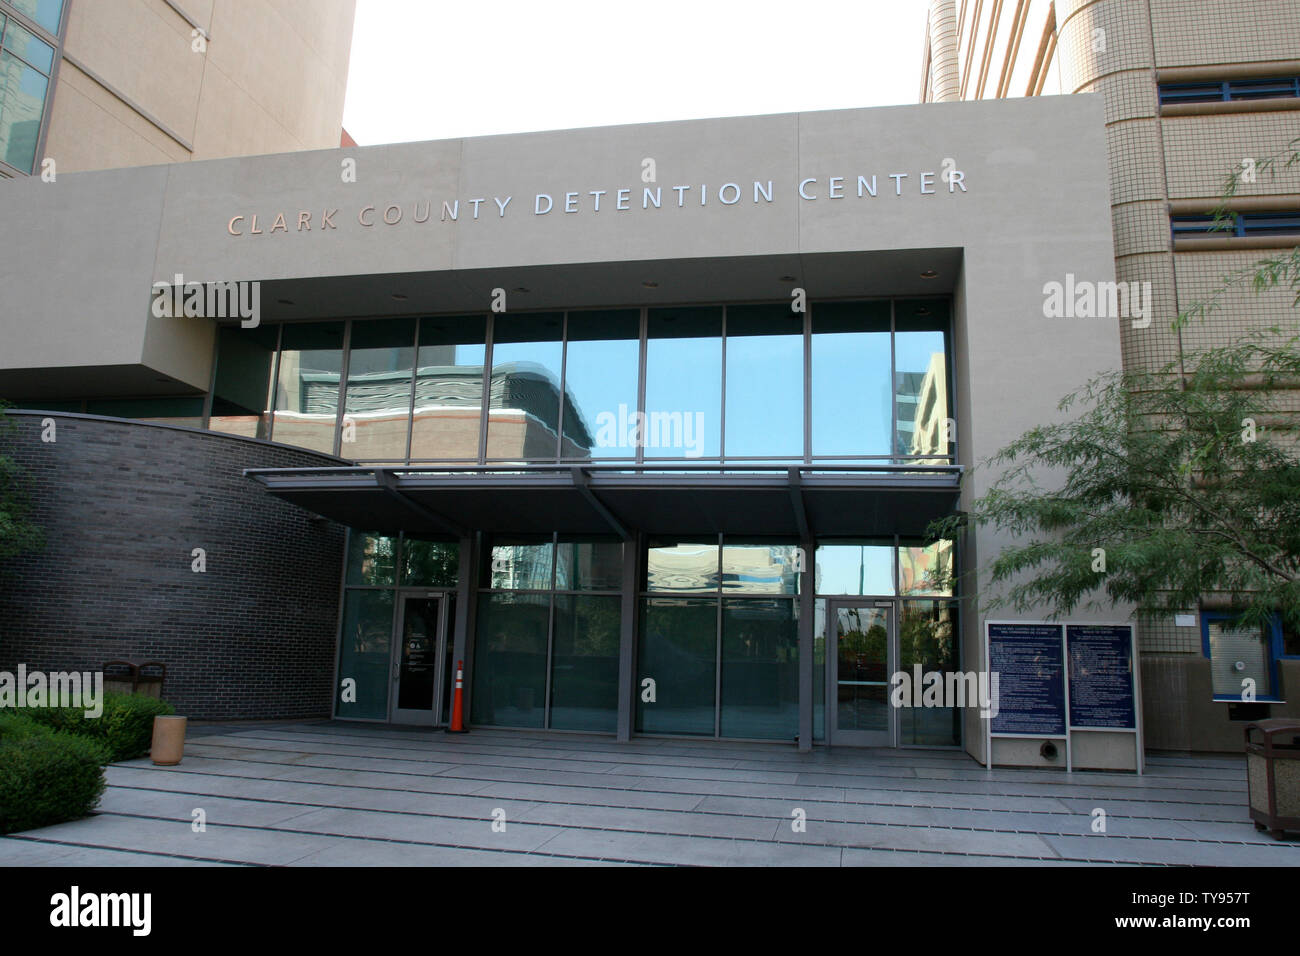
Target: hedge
{"type": "Point", "coordinates": [46, 776]}
{"type": "Point", "coordinates": [125, 728]}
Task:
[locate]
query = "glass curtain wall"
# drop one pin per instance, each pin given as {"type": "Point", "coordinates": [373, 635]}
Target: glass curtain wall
{"type": "Point", "coordinates": [377, 402]}
{"type": "Point", "coordinates": [377, 565]}
{"type": "Point", "coordinates": [920, 577]}
{"type": "Point", "coordinates": [720, 384]}
{"type": "Point", "coordinates": [307, 386]}
{"type": "Point", "coordinates": [547, 635]}
{"type": "Point", "coordinates": [448, 403]}
{"type": "Point", "coordinates": [27, 63]}
{"type": "Point", "coordinates": [719, 639]}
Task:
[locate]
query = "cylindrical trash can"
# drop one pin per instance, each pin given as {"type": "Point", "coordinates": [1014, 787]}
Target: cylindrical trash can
{"type": "Point", "coordinates": [168, 741]}
{"type": "Point", "coordinates": [1273, 774]}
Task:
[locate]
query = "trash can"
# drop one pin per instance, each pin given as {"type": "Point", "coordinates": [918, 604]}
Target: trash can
{"type": "Point", "coordinates": [1273, 774]}
{"type": "Point", "coordinates": [168, 740]}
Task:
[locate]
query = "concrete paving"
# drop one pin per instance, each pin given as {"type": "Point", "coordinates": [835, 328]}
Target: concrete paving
{"type": "Point", "coordinates": [318, 793]}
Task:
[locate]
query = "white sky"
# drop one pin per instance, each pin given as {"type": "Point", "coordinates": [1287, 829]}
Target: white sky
{"type": "Point", "coordinates": [438, 69]}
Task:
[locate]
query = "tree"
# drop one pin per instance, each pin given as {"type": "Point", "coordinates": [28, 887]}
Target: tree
{"type": "Point", "coordinates": [1170, 485]}
{"type": "Point", "coordinates": [17, 531]}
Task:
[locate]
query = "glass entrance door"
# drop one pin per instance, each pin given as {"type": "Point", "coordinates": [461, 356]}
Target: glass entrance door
{"type": "Point", "coordinates": [861, 658]}
{"type": "Point", "coordinates": [419, 658]}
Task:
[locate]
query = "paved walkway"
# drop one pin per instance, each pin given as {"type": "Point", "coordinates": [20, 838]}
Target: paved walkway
{"type": "Point", "coordinates": [320, 793]}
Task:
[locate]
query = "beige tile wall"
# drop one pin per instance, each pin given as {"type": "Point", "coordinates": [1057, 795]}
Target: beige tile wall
{"type": "Point", "coordinates": [271, 79]}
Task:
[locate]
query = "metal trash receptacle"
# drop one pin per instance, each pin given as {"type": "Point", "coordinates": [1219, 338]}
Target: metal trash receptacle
{"type": "Point", "coordinates": [1273, 774]}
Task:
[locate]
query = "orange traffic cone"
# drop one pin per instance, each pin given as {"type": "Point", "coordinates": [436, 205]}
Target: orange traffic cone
{"type": "Point", "coordinates": [457, 705]}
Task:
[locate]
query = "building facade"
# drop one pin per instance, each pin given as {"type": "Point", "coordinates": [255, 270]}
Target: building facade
{"type": "Point", "coordinates": [96, 84]}
{"type": "Point", "coordinates": [1193, 90]}
{"type": "Point", "coordinates": [646, 425]}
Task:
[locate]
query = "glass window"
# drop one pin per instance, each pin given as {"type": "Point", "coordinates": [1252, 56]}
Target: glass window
{"type": "Point", "coordinates": [584, 662]}
{"type": "Point", "coordinates": [851, 379]}
{"type": "Point", "coordinates": [925, 568]}
{"type": "Point", "coordinates": [371, 559]}
{"type": "Point", "coordinates": [763, 568]}
{"type": "Point", "coordinates": [764, 409]}
{"type": "Point", "coordinates": [433, 564]}
{"type": "Point", "coordinates": [525, 394]}
{"type": "Point", "coordinates": [22, 43]}
{"type": "Point", "coordinates": [682, 566]}
{"type": "Point", "coordinates": [683, 390]}
{"type": "Point", "coordinates": [585, 565]}
{"type": "Point", "coordinates": [510, 660]}
{"type": "Point", "coordinates": [518, 564]}
{"type": "Point", "coordinates": [377, 404]}
{"type": "Point", "coordinates": [760, 669]}
{"type": "Point", "coordinates": [364, 648]}
{"type": "Point", "coordinates": [1237, 653]}
{"type": "Point", "coordinates": [449, 388]}
{"type": "Point", "coordinates": [678, 650]}
{"type": "Point", "coordinates": [307, 393]}
{"type": "Point", "coordinates": [241, 394]}
{"type": "Point", "coordinates": [602, 358]}
{"type": "Point", "coordinates": [171, 411]}
{"type": "Point", "coordinates": [22, 103]}
{"type": "Point", "coordinates": [856, 567]}
{"type": "Point", "coordinates": [927, 635]}
{"type": "Point", "coordinates": [921, 377]}
{"type": "Point", "coordinates": [44, 12]}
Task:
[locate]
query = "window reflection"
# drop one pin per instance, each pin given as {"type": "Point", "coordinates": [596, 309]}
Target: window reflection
{"type": "Point", "coordinates": [764, 410]}
{"type": "Point", "coordinates": [851, 378]}
{"type": "Point", "coordinates": [855, 567]}
{"type": "Point", "coordinates": [241, 394]}
{"type": "Point", "coordinates": [524, 421]}
{"type": "Point", "coordinates": [449, 388]}
{"type": "Point", "coordinates": [921, 378]}
{"type": "Point", "coordinates": [682, 567]}
{"type": "Point", "coordinates": [764, 568]}
{"type": "Point", "coordinates": [927, 636]}
{"type": "Point", "coordinates": [377, 404]}
{"type": "Point", "coordinates": [307, 391]}
{"type": "Point", "coordinates": [22, 103]}
{"type": "Point", "coordinates": [925, 568]}
{"type": "Point", "coordinates": [518, 563]}
{"type": "Point", "coordinates": [600, 384]}
{"type": "Point", "coordinates": [683, 392]}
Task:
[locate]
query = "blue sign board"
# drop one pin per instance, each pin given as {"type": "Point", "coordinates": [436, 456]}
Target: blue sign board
{"type": "Point", "coordinates": [1101, 676]}
{"type": "Point", "coordinates": [1029, 662]}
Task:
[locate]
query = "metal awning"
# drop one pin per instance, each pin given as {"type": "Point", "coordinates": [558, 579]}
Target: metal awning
{"type": "Point", "coordinates": [667, 499]}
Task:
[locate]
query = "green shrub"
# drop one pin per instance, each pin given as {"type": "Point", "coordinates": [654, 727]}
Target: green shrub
{"type": "Point", "coordinates": [46, 777]}
{"type": "Point", "coordinates": [15, 726]}
{"type": "Point", "coordinates": [125, 728]}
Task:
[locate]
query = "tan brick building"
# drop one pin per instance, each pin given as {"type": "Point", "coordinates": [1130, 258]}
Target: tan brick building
{"type": "Point", "coordinates": [1194, 89]}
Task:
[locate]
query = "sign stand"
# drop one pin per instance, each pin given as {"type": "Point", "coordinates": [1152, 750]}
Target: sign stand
{"type": "Point", "coordinates": [1056, 679]}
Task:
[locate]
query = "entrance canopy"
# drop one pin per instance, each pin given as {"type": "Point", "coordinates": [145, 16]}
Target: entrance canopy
{"type": "Point", "coordinates": [794, 501]}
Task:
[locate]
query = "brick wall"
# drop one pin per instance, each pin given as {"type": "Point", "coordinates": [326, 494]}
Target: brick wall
{"type": "Point", "coordinates": [123, 505]}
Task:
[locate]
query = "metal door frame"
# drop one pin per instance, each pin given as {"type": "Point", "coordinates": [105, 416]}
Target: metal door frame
{"type": "Point", "coordinates": [407, 716]}
{"type": "Point", "coordinates": [834, 736]}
